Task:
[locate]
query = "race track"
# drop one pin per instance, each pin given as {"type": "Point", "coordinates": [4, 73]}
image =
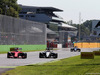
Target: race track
{"type": "Point", "coordinates": [33, 57]}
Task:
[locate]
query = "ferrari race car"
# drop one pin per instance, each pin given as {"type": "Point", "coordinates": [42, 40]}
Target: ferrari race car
{"type": "Point", "coordinates": [15, 53]}
{"type": "Point", "coordinates": [75, 49]}
{"type": "Point", "coordinates": [48, 54]}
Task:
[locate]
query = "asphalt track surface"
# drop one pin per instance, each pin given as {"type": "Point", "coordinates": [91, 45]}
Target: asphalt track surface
{"type": "Point", "coordinates": [33, 58]}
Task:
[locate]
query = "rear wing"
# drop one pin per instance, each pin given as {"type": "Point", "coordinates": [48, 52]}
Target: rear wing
{"type": "Point", "coordinates": [15, 48]}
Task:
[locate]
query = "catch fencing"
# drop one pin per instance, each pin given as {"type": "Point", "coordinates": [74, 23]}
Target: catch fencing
{"type": "Point", "coordinates": [15, 31]}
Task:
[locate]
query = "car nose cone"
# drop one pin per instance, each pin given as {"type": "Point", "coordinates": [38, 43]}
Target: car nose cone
{"type": "Point", "coordinates": [47, 54]}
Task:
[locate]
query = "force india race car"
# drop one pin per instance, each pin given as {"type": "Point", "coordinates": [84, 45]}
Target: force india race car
{"type": "Point", "coordinates": [48, 54]}
{"type": "Point", "coordinates": [15, 53]}
{"type": "Point", "coordinates": [75, 49]}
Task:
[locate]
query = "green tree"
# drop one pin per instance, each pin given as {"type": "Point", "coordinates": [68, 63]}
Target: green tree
{"type": "Point", "coordinates": [13, 14]}
{"type": "Point", "coordinates": [85, 28]}
{"type": "Point", "coordinates": [85, 31]}
{"type": "Point", "coordinates": [9, 7]}
{"type": "Point", "coordinates": [88, 24]}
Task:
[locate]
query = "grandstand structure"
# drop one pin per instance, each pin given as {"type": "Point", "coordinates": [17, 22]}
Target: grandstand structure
{"type": "Point", "coordinates": [57, 29]}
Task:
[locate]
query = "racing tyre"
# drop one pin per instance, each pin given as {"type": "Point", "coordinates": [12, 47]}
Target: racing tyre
{"type": "Point", "coordinates": [55, 56]}
{"type": "Point", "coordinates": [8, 55]}
{"type": "Point", "coordinates": [40, 55]}
{"type": "Point", "coordinates": [71, 50]}
{"type": "Point", "coordinates": [24, 55]}
{"type": "Point", "coordinates": [78, 50]}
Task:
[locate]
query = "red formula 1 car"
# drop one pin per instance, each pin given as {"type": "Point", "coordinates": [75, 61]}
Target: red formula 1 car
{"type": "Point", "coordinates": [15, 53]}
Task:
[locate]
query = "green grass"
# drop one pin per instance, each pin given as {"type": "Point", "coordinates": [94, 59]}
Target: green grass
{"type": "Point", "coordinates": [6, 48]}
{"type": "Point", "coordinates": [68, 66]}
{"type": "Point", "coordinates": [3, 52]}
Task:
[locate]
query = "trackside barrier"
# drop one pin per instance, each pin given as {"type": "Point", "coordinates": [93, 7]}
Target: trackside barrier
{"type": "Point", "coordinates": [97, 53]}
{"type": "Point", "coordinates": [87, 45]}
{"type": "Point", "coordinates": [87, 55]}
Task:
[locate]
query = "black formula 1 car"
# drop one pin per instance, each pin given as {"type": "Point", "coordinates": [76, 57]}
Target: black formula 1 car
{"type": "Point", "coordinates": [75, 49]}
{"type": "Point", "coordinates": [48, 54]}
{"type": "Point", "coordinates": [15, 53]}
